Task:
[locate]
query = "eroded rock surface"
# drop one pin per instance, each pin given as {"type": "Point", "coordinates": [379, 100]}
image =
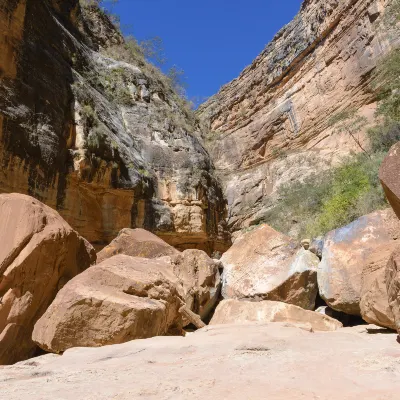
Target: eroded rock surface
{"type": "Point", "coordinates": [220, 362]}
{"type": "Point", "coordinates": [39, 254]}
{"type": "Point", "coordinates": [201, 280]}
{"type": "Point", "coordinates": [389, 176]}
{"type": "Point", "coordinates": [137, 243]}
{"type": "Point", "coordinates": [352, 271]}
{"type": "Point", "coordinates": [121, 299]}
{"type": "Point", "coordinates": [93, 130]}
{"type": "Point", "coordinates": [393, 286]}
{"type": "Point", "coordinates": [270, 126]}
{"type": "Point", "coordinates": [240, 312]}
{"type": "Point", "coordinates": [264, 264]}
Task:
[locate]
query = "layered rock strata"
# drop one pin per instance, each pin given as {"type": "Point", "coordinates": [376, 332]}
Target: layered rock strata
{"type": "Point", "coordinates": [272, 125]}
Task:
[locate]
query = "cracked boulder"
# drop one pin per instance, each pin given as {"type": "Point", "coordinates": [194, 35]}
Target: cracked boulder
{"type": "Point", "coordinates": [199, 274]}
{"type": "Point", "coordinates": [39, 253]}
{"type": "Point", "coordinates": [264, 264]}
{"type": "Point", "coordinates": [201, 280]}
{"type": "Point", "coordinates": [242, 312]}
{"type": "Point", "coordinates": [121, 299]}
{"type": "Point", "coordinates": [351, 275]}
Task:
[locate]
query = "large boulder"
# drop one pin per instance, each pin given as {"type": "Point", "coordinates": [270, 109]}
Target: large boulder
{"type": "Point", "coordinates": [351, 273]}
{"type": "Point", "coordinates": [389, 176]}
{"type": "Point", "coordinates": [121, 299]}
{"type": "Point", "coordinates": [137, 243]}
{"type": "Point", "coordinates": [264, 264]}
{"type": "Point", "coordinates": [239, 312]}
{"type": "Point", "coordinates": [199, 274]}
{"type": "Point", "coordinates": [393, 286]}
{"type": "Point", "coordinates": [201, 280]}
{"type": "Point", "coordinates": [39, 253]}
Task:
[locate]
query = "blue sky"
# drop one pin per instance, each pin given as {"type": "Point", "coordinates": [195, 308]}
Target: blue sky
{"type": "Point", "coordinates": [211, 40]}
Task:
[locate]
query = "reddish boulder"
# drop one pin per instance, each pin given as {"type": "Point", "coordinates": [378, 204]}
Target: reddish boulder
{"type": "Point", "coordinates": [264, 264]}
{"type": "Point", "coordinates": [121, 299]}
{"type": "Point", "coordinates": [351, 273]}
{"type": "Point", "coordinates": [389, 175]}
{"type": "Point", "coordinates": [39, 254]}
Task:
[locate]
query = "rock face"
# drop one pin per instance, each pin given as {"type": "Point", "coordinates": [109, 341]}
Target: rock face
{"type": "Point", "coordinates": [137, 243]}
{"type": "Point", "coordinates": [351, 273]}
{"type": "Point", "coordinates": [91, 129]}
{"type": "Point", "coordinates": [393, 286]}
{"type": "Point", "coordinates": [265, 264]}
{"type": "Point", "coordinates": [239, 312]}
{"type": "Point", "coordinates": [389, 176]}
{"type": "Point", "coordinates": [121, 299]}
{"type": "Point", "coordinates": [39, 253]}
{"type": "Point", "coordinates": [233, 362]}
{"type": "Point", "coordinates": [270, 126]}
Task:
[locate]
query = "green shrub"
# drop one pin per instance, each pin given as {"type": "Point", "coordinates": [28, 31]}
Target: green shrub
{"type": "Point", "coordinates": [330, 199]}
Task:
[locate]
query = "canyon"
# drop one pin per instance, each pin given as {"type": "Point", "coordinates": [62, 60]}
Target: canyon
{"type": "Point", "coordinates": [135, 257]}
{"type": "Point", "coordinates": [271, 126]}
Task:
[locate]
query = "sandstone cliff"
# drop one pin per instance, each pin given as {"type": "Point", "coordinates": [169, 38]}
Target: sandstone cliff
{"type": "Point", "coordinates": [97, 133]}
{"type": "Point", "coordinates": [270, 126]}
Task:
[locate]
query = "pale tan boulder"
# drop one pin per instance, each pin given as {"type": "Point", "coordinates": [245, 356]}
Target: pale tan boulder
{"type": "Point", "coordinates": [392, 278]}
{"type": "Point", "coordinates": [201, 280]}
{"type": "Point", "coordinates": [241, 312]}
{"type": "Point", "coordinates": [39, 253]}
{"type": "Point", "coordinates": [121, 299]}
{"type": "Point", "coordinates": [137, 243]}
{"type": "Point", "coordinates": [351, 272]}
{"type": "Point", "coordinates": [264, 264]}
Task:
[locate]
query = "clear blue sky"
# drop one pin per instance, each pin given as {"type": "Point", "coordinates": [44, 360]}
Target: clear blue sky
{"type": "Point", "coordinates": [211, 40]}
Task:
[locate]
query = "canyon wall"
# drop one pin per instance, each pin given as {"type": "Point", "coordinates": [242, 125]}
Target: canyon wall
{"type": "Point", "coordinates": [91, 129]}
{"type": "Point", "coordinates": [270, 126]}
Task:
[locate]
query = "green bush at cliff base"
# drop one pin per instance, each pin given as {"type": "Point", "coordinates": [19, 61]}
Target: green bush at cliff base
{"type": "Point", "coordinates": [329, 199]}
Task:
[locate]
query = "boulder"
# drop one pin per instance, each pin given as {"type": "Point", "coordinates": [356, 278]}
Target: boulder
{"type": "Point", "coordinates": [198, 273]}
{"type": "Point", "coordinates": [389, 177]}
{"type": "Point", "coordinates": [137, 243]}
{"type": "Point", "coordinates": [39, 253]}
{"type": "Point", "coordinates": [200, 278]}
{"type": "Point", "coordinates": [393, 286]}
{"type": "Point", "coordinates": [239, 312]}
{"type": "Point", "coordinates": [121, 299]}
{"type": "Point", "coordinates": [351, 272]}
{"type": "Point", "coordinates": [267, 265]}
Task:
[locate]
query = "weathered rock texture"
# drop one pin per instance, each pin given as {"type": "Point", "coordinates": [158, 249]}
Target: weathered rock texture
{"type": "Point", "coordinates": [239, 312]}
{"type": "Point", "coordinates": [264, 264]}
{"type": "Point", "coordinates": [198, 273]}
{"type": "Point", "coordinates": [91, 129]}
{"type": "Point", "coordinates": [270, 126]}
{"type": "Point", "coordinates": [121, 299]}
{"type": "Point", "coordinates": [201, 280]}
{"type": "Point", "coordinates": [39, 253]}
{"type": "Point", "coordinates": [351, 275]}
{"type": "Point", "coordinates": [389, 175]}
{"type": "Point", "coordinates": [137, 243]}
{"type": "Point", "coordinates": [393, 286]}
{"type": "Point", "coordinates": [235, 362]}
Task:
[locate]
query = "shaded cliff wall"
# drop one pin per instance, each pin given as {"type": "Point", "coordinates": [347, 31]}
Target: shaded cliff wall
{"type": "Point", "coordinates": [270, 126]}
{"type": "Point", "coordinates": [105, 141]}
